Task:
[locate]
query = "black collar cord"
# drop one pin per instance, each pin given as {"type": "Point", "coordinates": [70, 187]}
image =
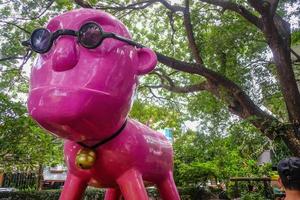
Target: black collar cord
{"type": "Point", "coordinates": [105, 140]}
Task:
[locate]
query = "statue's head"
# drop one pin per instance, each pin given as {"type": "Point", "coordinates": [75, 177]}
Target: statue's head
{"type": "Point", "coordinates": [82, 85]}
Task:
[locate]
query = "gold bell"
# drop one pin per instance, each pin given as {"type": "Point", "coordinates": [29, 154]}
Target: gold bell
{"type": "Point", "coordinates": [85, 158]}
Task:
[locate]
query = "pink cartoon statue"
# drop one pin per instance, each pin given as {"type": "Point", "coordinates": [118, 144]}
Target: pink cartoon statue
{"type": "Point", "coordinates": [81, 89]}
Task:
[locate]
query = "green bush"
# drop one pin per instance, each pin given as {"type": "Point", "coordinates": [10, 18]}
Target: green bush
{"type": "Point", "coordinates": [252, 196]}
{"type": "Point", "coordinates": [90, 194]}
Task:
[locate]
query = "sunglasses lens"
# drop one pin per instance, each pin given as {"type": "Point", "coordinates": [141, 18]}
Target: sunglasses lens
{"type": "Point", "coordinates": [90, 35]}
{"type": "Point", "coordinates": [41, 40]}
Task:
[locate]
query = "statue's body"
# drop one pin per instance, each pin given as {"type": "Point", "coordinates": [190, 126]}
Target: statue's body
{"type": "Point", "coordinates": [84, 96]}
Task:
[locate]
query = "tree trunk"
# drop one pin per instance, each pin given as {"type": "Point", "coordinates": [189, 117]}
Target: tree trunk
{"type": "Point", "coordinates": [291, 141]}
{"type": "Point", "coordinates": [277, 33]}
{"type": "Point", "coordinates": [40, 178]}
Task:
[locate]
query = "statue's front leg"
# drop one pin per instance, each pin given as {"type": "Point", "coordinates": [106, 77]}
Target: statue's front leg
{"type": "Point", "coordinates": [132, 186]}
{"type": "Point", "coordinates": [112, 194]}
{"type": "Point", "coordinates": [73, 189]}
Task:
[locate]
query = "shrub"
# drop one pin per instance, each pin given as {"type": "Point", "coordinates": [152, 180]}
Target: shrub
{"type": "Point", "coordinates": [252, 196]}
{"type": "Point", "coordinates": [90, 194]}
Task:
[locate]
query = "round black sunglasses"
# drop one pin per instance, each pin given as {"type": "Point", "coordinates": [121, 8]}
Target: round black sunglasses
{"type": "Point", "coordinates": [90, 35]}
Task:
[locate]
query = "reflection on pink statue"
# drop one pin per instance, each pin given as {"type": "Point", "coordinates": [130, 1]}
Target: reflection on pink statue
{"type": "Point", "coordinates": [84, 96]}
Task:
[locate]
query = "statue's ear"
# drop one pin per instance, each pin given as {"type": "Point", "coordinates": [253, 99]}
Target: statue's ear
{"type": "Point", "coordinates": [146, 61]}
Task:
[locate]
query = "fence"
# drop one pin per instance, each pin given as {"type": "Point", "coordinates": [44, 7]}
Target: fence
{"type": "Point", "coordinates": [19, 180]}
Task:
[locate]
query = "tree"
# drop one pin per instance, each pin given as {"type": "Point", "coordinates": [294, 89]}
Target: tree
{"type": "Point", "coordinates": [24, 145]}
{"type": "Point", "coordinates": [268, 25]}
{"type": "Point", "coordinates": [210, 51]}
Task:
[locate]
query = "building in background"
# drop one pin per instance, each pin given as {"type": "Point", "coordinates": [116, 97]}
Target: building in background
{"type": "Point", "coordinates": [265, 157]}
{"type": "Point", "coordinates": [168, 133]}
{"type": "Point", "coordinates": [54, 177]}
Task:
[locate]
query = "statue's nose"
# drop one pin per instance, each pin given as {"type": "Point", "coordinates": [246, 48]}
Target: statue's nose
{"type": "Point", "coordinates": [65, 55]}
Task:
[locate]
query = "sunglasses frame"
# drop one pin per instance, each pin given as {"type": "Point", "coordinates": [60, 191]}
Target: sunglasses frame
{"type": "Point", "coordinates": [60, 32]}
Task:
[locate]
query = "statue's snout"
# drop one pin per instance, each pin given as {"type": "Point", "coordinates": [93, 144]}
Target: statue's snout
{"type": "Point", "coordinates": [65, 55]}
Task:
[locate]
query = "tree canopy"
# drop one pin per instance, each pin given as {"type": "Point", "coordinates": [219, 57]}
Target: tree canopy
{"type": "Point", "coordinates": [231, 66]}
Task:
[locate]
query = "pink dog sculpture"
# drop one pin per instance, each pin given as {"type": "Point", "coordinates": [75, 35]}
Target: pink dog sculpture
{"type": "Point", "coordinates": [84, 95]}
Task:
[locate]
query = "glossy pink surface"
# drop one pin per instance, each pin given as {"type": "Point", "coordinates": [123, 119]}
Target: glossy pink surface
{"type": "Point", "coordinates": [84, 95]}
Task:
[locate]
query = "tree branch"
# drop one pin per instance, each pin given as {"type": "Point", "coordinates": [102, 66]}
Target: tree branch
{"type": "Point", "coordinates": [163, 77]}
{"type": "Point", "coordinates": [159, 97]}
{"type": "Point", "coordinates": [26, 58]}
{"type": "Point", "coordinates": [238, 101]}
{"type": "Point", "coordinates": [143, 4]}
{"type": "Point", "coordinates": [174, 8]}
{"type": "Point", "coordinates": [274, 5]}
{"type": "Point", "coordinates": [186, 89]}
{"type": "Point", "coordinates": [265, 7]}
{"type": "Point", "coordinates": [42, 12]}
{"type": "Point", "coordinates": [178, 89]}
{"type": "Point", "coordinates": [16, 25]}
{"type": "Point", "coordinates": [296, 55]}
{"type": "Point", "coordinates": [258, 5]}
{"type": "Point", "coordinates": [11, 58]}
{"type": "Point", "coordinates": [83, 4]}
{"type": "Point", "coordinates": [190, 35]}
{"type": "Point", "coordinates": [134, 6]}
{"type": "Point", "coordinates": [227, 5]}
